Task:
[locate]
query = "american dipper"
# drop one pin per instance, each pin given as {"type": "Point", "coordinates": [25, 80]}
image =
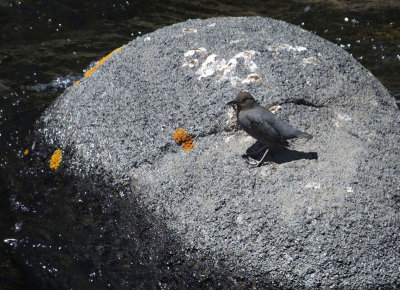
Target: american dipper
{"type": "Point", "coordinates": [262, 124]}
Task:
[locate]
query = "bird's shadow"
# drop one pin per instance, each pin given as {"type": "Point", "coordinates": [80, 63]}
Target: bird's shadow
{"type": "Point", "coordinates": [278, 154]}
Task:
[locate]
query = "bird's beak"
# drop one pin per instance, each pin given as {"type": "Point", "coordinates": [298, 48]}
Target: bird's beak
{"type": "Point", "coordinates": [231, 103]}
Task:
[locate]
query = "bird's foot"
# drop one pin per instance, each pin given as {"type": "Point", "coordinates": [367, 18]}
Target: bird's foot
{"type": "Point", "coordinates": [259, 163]}
{"type": "Point", "coordinates": [256, 163]}
{"type": "Point", "coordinates": [252, 162]}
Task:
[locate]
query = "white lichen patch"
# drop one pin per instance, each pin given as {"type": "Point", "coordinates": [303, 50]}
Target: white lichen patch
{"type": "Point", "coordinates": [220, 68]}
{"type": "Point", "coordinates": [236, 41]}
{"type": "Point", "coordinates": [344, 117]}
{"type": "Point", "coordinates": [341, 119]}
{"type": "Point", "coordinates": [310, 60]}
{"type": "Point", "coordinates": [252, 78]}
{"type": "Point", "coordinates": [192, 52]}
{"type": "Point", "coordinates": [227, 139]}
{"type": "Point", "coordinates": [247, 55]}
{"type": "Point", "coordinates": [148, 38]}
{"type": "Point", "coordinates": [191, 63]}
{"type": "Point", "coordinates": [210, 66]}
{"type": "Point", "coordinates": [211, 25]}
{"type": "Point", "coordinates": [232, 64]}
{"type": "Point", "coordinates": [189, 30]}
{"type": "Point", "coordinates": [349, 189]}
{"type": "Point", "coordinates": [275, 108]}
{"type": "Point", "coordinates": [314, 185]}
{"type": "Point", "coordinates": [287, 47]}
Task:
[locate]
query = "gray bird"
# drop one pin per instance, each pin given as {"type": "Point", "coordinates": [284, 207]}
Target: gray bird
{"type": "Point", "coordinates": [262, 124]}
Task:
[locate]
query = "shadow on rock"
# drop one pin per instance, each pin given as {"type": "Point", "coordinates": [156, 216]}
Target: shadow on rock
{"type": "Point", "coordinates": [278, 154]}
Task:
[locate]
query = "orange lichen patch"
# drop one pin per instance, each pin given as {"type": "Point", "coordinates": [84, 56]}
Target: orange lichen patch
{"type": "Point", "coordinates": [182, 137]}
{"type": "Point", "coordinates": [76, 83]}
{"type": "Point", "coordinates": [188, 145]}
{"type": "Point", "coordinates": [26, 152]}
{"type": "Point", "coordinates": [55, 159]}
{"type": "Point", "coordinates": [100, 62]}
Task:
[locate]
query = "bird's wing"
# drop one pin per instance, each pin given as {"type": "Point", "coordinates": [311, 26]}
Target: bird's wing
{"type": "Point", "coordinates": [259, 124]}
{"type": "Point", "coordinates": [285, 130]}
{"type": "Point", "coordinates": [266, 124]}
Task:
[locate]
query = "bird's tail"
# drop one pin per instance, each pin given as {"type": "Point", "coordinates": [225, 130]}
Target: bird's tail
{"type": "Point", "coordinates": [304, 135]}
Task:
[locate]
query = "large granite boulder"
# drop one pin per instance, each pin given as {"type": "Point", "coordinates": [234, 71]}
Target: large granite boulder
{"type": "Point", "coordinates": [324, 213]}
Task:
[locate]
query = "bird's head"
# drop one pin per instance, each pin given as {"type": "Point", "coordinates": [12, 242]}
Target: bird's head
{"type": "Point", "coordinates": [243, 100]}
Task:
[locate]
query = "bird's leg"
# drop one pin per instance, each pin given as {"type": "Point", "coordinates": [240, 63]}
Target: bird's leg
{"type": "Point", "coordinates": [258, 163]}
{"type": "Point", "coordinates": [260, 150]}
{"type": "Point", "coordinates": [255, 163]}
{"type": "Point", "coordinates": [262, 159]}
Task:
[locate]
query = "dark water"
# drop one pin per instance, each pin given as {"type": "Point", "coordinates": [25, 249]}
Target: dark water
{"type": "Point", "coordinates": [55, 233]}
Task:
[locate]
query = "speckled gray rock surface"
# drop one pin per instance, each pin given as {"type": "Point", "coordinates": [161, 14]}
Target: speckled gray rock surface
{"type": "Point", "coordinates": [324, 214]}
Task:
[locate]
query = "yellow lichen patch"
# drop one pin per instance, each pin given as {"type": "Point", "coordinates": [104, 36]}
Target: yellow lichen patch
{"type": "Point", "coordinates": [89, 72]}
{"type": "Point", "coordinates": [26, 152]}
{"type": "Point", "coordinates": [100, 62]}
{"type": "Point", "coordinates": [55, 159]}
{"type": "Point", "coordinates": [182, 137]}
{"type": "Point", "coordinates": [76, 83]}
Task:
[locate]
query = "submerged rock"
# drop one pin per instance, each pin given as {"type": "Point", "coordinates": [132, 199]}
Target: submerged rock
{"type": "Point", "coordinates": [323, 214]}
